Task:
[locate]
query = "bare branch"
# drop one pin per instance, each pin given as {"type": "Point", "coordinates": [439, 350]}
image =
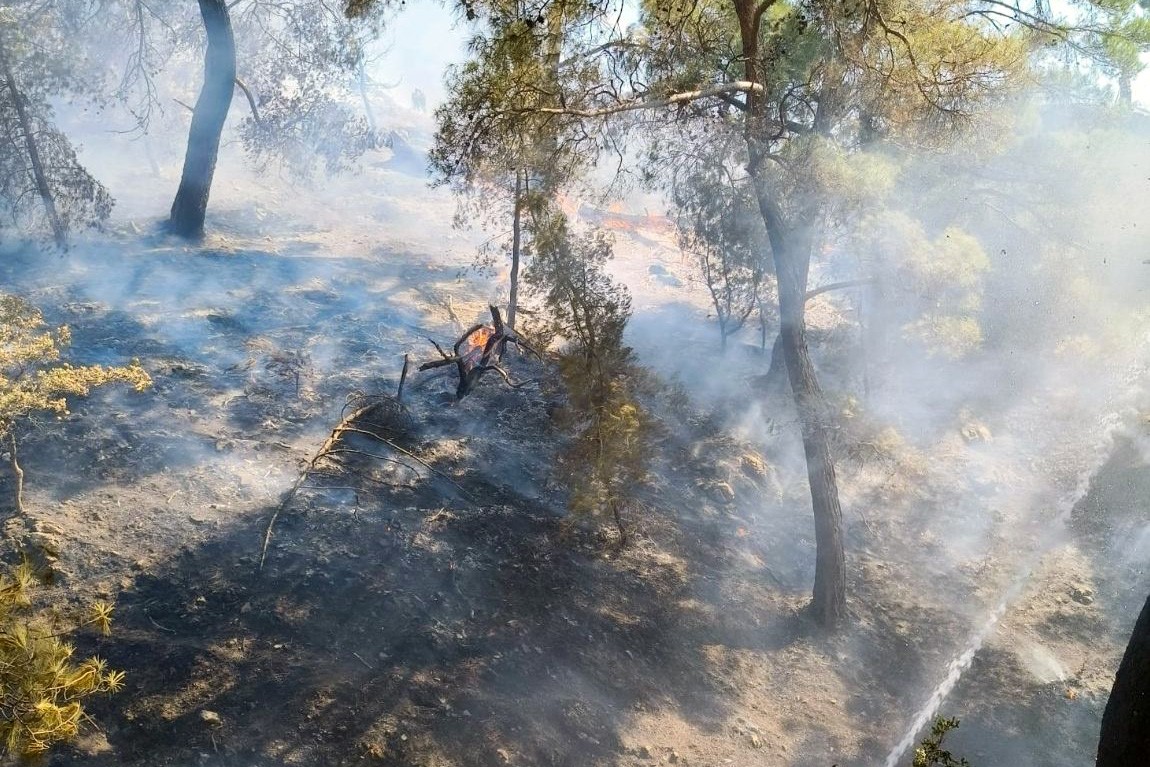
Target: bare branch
{"type": "Point", "coordinates": [685, 97]}
{"type": "Point", "coordinates": [251, 100]}
{"type": "Point", "coordinates": [839, 286]}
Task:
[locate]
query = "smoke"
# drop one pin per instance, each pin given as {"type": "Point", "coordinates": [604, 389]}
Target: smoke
{"type": "Point", "coordinates": [959, 475]}
{"type": "Point", "coordinates": [985, 456]}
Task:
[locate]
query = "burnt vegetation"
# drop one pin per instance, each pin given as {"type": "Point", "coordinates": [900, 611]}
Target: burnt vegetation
{"type": "Point", "coordinates": [796, 407]}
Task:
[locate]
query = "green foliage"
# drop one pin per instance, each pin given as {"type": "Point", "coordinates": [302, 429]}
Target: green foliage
{"type": "Point", "coordinates": [32, 376]}
{"type": "Point", "coordinates": [587, 309]}
{"type": "Point", "coordinates": [930, 753]}
{"type": "Point", "coordinates": [938, 280]}
{"type": "Point", "coordinates": [722, 231]}
{"type": "Point", "coordinates": [605, 459]}
{"type": "Point", "coordinates": [1121, 36]}
{"type": "Point", "coordinates": [495, 119]}
{"type": "Point", "coordinates": [42, 690]}
{"type": "Point", "coordinates": [298, 61]}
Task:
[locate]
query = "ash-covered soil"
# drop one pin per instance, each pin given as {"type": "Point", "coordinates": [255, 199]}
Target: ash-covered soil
{"type": "Point", "coordinates": [430, 602]}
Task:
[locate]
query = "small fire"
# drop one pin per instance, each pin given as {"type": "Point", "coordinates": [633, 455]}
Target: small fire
{"type": "Point", "coordinates": [478, 339]}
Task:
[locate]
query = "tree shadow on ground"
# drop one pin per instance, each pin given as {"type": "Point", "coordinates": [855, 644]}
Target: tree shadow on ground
{"type": "Point", "coordinates": [406, 618]}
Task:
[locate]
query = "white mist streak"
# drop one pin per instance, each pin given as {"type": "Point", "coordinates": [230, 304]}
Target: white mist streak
{"type": "Point", "coordinates": [957, 667]}
{"type": "Point", "coordinates": [954, 672]}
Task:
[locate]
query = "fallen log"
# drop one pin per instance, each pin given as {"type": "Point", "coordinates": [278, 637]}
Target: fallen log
{"type": "Point", "coordinates": [479, 350]}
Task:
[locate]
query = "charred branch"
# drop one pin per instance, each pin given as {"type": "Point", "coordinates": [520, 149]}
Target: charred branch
{"type": "Point", "coordinates": [479, 350]}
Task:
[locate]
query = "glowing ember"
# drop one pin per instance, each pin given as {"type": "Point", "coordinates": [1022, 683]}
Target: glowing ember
{"type": "Point", "coordinates": [479, 338]}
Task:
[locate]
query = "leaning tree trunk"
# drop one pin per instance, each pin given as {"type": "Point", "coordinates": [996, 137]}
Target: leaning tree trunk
{"type": "Point", "coordinates": [1125, 737]}
{"type": "Point", "coordinates": [791, 250]}
{"type": "Point", "coordinates": [59, 232]}
{"type": "Point", "coordinates": [191, 203]}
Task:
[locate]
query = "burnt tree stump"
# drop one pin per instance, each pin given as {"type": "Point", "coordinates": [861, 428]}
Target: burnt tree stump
{"type": "Point", "coordinates": [477, 351]}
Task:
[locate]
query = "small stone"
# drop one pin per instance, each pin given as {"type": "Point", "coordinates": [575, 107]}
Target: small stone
{"type": "Point", "coordinates": [1083, 595]}
{"type": "Point", "coordinates": [756, 741]}
{"type": "Point", "coordinates": [674, 757]}
{"type": "Point", "coordinates": [211, 718]}
{"type": "Point", "coordinates": [722, 491]}
{"type": "Point", "coordinates": [643, 752]}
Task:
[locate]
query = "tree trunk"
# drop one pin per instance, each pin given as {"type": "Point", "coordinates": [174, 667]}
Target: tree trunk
{"type": "Point", "coordinates": [367, 110]}
{"type": "Point", "coordinates": [59, 233]}
{"type": "Point", "coordinates": [516, 245]}
{"type": "Point", "coordinates": [1125, 90]}
{"type": "Point", "coordinates": [191, 203]}
{"type": "Point", "coordinates": [791, 249]}
{"type": "Point", "coordinates": [618, 515]}
{"type": "Point", "coordinates": [777, 371]}
{"type": "Point", "coordinates": [762, 329]}
{"type": "Point", "coordinates": [17, 475]}
{"type": "Point", "coordinates": [1125, 737]}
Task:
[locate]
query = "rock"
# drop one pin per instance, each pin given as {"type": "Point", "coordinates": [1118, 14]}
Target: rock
{"type": "Point", "coordinates": [1082, 594]}
{"type": "Point", "coordinates": [41, 526]}
{"type": "Point", "coordinates": [753, 466]}
{"type": "Point", "coordinates": [643, 752]}
{"type": "Point", "coordinates": [49, 545]}
{"type": "Point", "coordinates": [211, 718]}
{"type": "Point", "coordinates": [756, 741]}
{"type": "Point", "coordinates": [721, 491]}
{"type": "Point", "coordinates": [674, 757]}
{"type": "Point", "coordinates": [93, 743]}
{"type": "Point", "coordinates": [975, 431]}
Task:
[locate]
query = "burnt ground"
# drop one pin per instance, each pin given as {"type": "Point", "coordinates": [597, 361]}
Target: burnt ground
{"type": "Point", "coordinates": [402, 617]}
{"type": "Point", "coordinates": [456, 615]}
{"type": "Point", "coordinates": [412, 629]}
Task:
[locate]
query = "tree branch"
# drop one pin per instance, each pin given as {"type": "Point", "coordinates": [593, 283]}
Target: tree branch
{"type": "Point", "coordinates": [251, 100]}
{"type": "Point", "coordinates": [839, 286]}
{"type": "Point", "coordinates": [598, 49]}
{"type": "Point", "coordinates": [710, 91]}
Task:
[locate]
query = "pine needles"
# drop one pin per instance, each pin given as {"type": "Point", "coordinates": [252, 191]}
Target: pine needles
{"type": "Point", "coordinates": [42, 690]}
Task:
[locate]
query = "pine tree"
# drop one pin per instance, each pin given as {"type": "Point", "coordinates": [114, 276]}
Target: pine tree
{"type": "Point", "coordinates": [605, 459]}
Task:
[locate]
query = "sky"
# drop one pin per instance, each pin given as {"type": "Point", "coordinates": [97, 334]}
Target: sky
{"type": "Point", "coordinates": [420, 44]}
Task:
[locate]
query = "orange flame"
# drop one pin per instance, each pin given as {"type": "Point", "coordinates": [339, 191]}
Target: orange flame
{"type": "Point", "coordinates": [479, 338]}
